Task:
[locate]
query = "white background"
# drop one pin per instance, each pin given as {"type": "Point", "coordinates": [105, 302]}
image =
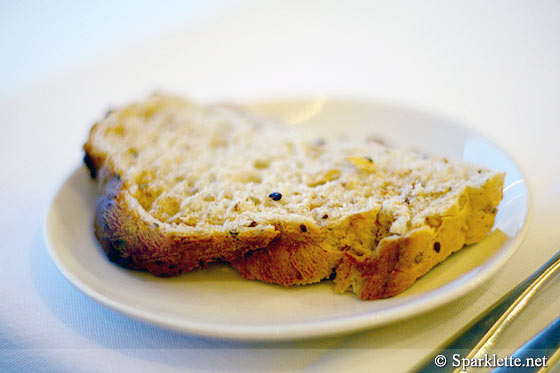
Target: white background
{"type": "Point", "coordinates": [490, 65]}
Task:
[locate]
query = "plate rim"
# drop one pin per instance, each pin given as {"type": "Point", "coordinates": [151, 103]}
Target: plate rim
{"type": "Point", "coordinates": [420, 303]}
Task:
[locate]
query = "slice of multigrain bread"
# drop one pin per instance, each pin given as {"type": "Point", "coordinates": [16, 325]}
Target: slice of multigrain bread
{"type": "Point", "coordinates": [183, 185]}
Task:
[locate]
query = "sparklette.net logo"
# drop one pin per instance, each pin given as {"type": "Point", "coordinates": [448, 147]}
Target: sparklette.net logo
{"type": "Point", "coordinates": [490, 361]}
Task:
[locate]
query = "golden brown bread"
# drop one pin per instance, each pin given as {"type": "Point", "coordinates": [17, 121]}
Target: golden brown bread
{"type": "Point", "coordinates": [397, 260]}
{"type": "Point", "coordinates": [183, 185]}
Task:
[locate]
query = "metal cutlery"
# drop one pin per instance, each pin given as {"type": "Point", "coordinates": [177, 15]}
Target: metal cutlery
{"type": "Point", "coordinates": [477, 338]}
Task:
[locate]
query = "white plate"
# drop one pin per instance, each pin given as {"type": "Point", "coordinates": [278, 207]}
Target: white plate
{"type": "Point", "coordinates": [216, 302]}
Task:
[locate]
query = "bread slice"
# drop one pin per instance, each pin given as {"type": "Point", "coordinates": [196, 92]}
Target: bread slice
{"type": "Point", "coordinates": [183, 185]}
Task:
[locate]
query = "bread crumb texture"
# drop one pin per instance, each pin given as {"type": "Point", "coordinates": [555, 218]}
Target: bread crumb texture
{"type": "Point", "coordinates": [183, 185]}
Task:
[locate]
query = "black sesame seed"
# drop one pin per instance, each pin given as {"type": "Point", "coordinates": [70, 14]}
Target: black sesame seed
{"type": "Point", "coordinates": [437, 247]}
{"type": "Point", "coordinates": [303, 228]}
{"type": "Point", "coordinates": [253, 224]}
{"type": "Point", "coordinates": [275, 196]}
{"type": "Point", "coordinates": [368, 159]}
{"type": "Point", "coordinates": [326, 216]}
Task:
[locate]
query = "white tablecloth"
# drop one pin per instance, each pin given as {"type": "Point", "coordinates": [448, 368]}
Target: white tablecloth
{"type": "Point", "coordinates": [493, 66]}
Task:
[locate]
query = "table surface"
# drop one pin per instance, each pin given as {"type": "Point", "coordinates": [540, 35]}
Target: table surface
{"type": "Point", "coordinates": [492, 66]}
